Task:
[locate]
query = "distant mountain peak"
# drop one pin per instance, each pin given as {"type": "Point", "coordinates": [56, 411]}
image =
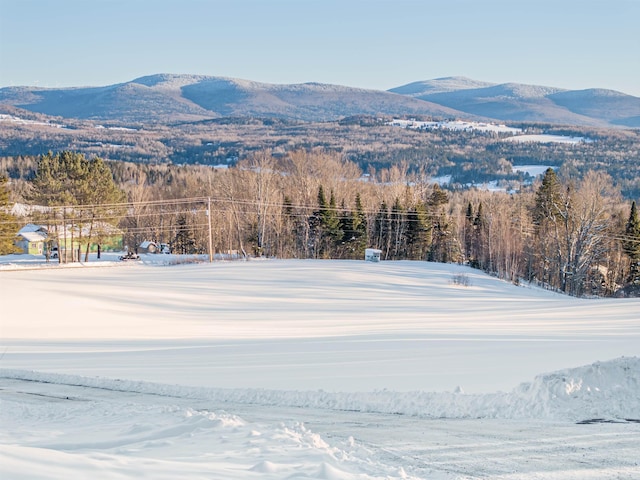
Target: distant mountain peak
{"type": "Point", "coordinates": [458, 78]}
{"type": "Point", "coordinates": [168, 80]}
{"type": "Point", "coordinates": [440, 85]}
{"type": "Point", "coordinates": [523, 90]}
{"type": "Point", "coordinates": [595, 93]}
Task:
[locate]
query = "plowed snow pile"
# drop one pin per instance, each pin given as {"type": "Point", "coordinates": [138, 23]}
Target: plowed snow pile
{"type": "Point", "coordinates": [605, 390]}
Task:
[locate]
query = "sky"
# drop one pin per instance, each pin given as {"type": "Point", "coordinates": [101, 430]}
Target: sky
{"type": "Point", "coordinates": [379, 44]}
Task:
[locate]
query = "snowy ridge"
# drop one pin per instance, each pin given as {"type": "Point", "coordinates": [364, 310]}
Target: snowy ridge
{"type": "Point", "coordinates": [603, 390]}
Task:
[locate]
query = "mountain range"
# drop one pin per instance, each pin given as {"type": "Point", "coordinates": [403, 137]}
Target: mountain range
{"type": "Point", "coordinates": [172, 98]}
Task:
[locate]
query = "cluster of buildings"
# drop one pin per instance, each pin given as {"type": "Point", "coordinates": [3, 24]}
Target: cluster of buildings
{"type": "Point", "coordinates": [36, 239]}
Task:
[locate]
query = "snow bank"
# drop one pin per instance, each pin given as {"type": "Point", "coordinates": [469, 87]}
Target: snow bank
{"type": "Point", "coordinates": [604, 390]}
{"type": "Point", "coordinates": [601, 390]}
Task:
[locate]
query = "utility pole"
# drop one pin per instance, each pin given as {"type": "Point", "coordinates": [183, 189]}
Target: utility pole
{"type": "Point", "coordinates": [209, 222]}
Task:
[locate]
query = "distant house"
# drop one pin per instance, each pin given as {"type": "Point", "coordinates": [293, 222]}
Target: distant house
{"type": "Point", "coordinates": [372, 255]}
{"type": "Point", "coordinates": [35, 239]}
{"type": "Point", "coordinates": [31, 239]}
{"type": "Point", "coordinates": [147, 247]}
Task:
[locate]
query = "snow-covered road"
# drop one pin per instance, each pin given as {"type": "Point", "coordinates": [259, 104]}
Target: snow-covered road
{"type": "Point", "coordinates": [105, 433]}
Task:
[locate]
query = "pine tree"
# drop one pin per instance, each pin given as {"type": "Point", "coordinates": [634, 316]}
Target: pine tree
{"type": "Point", "coordinates": [345, 219]}
{"type": "Point", "coordinates": [479, 245]}
{"type": "Point", "coordinates": [398, 227]}
{"type": "Point", "coordinates": [381, 230]}
{"type": "Point", "coordinates": [469, 214]}
{"type": "Point", "coordinates": [548, 198]}
{"type": "Point", "coordinates": [359, 228]}
{"type": "Point", "coordinates": [546, 216]}
{"type": "Point", "coordinates": [631, 244]}
{"type": "Point", "coordinates": [8, 222]}
{"type": "Point", "coordinates": [69, 179]}
{"type": "Point", "coordinates": [184, 242]}
{"type": "Point", "coordinates": [441, 245]}
{"type": "Point", "coordinates": [438, 197]}
{"type": "Point", "coordinates": [418, 233]}
{"type": "Point", "coordinates": [469, 234]}
{"type": "Point", "coordinates": [329, 233]}
{"type": "Point", "coordinates": [331, 221]}
{"type": "Point", "coordinates": [325, 225]}
{"type": "Point", "coordinates": [54, 183]}
{"type": "Point", "coordinates": [100, 191]}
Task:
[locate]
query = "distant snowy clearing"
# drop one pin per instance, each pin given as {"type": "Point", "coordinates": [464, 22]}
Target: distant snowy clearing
{"type": "Point", "coordinates": [456, 125]}
{"type": "Point", "coordinates": [310, 370]}
{"type": "Point", "coordinates": [545, 138]}
{"type": "Point", "coordinates": [533, 170]}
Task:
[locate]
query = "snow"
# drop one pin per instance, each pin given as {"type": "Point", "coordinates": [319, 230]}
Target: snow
{"type": "Point", "coordinates": [532, 170]}
{"type": "Point", "coordinates": [442, 179]}
{"type": "Point", "coordinates": [118, 129]}
{"type": "Point", "coordinates": [456, 125]}
{"type": "Point", "coordinates": [547, 138]}
{"type": "Point", "coordinates": [309, 369]}
{"type": "Point", "coordinates": [22, 121]}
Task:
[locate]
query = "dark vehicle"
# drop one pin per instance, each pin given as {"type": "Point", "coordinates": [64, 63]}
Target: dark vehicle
{"type": "Point", "coordinates": [130, 256]}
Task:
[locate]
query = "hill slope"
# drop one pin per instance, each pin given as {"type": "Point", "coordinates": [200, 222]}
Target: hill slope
{"type": "Point", "coordinates": [531, 103]}
{"type": "Point", "coordinates": [168, 98]}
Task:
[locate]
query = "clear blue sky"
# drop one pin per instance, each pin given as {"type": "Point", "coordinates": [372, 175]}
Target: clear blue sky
{"type": "Point", "coordinates": [379, 44]}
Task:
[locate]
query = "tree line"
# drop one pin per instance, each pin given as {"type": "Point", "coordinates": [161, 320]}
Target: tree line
{"type": "Point", "coordinates": [574, 234]}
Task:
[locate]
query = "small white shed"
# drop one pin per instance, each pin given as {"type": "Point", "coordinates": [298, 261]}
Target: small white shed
{"type": "Point", "coordinates": [372, 254]}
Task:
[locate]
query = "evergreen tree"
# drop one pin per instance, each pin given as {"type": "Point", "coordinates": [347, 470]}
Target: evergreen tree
{"type": "Point", "coordinates": [99, 191]}
{"type": "Point", "coordinates": [469, 214]}
{"type": "Point", "coordinates": [53, 183]}
{"type": "Point", "coordinates": [314, 243]}
{"type": "Point", "coordinates": [546, 215]}
{"type": "Point", "coordinates": [323, 205]}
{"type": "Point", "coordinates": [469, 234]}
{"type": "Point", "coordinates": [345, 219]}
{"type": "Point", "coordinates": [479, 247]}
{"type": "Point", "coordinates": [397, 224]}
{"type": "Point", "coordinates": [441, 250]}
{"type": "Point", "coordinates": [548, 198]}
{"type": "Point", "coordinates": [184, 242]}
{"type": "Point", "coordinates": [418, 233]}
{"type": "Point", "coordinates": [8, 222]}
{"type": "Point", "coordinates": [326, 225]}
{"type": "Point", "coordinates": [438, 197]}
{"type": "Point", "coordinates": [359, 228]}
{"type": "Point", "coordinates": [294, 235]}
{"type": "Point", "coordinates": [381, 230]}
{"type": "Point", "coordinates": [353, 225]}
{"type": "Point", "coordinates": [331, 222]}
{"type": "Point", "coordinates": [69, 179]}
{"type": "Point", "coordinates": [631, 244]}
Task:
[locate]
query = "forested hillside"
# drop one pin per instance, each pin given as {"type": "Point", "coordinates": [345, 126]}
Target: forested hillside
{"type": "Point", "coordinates": [468, 156]}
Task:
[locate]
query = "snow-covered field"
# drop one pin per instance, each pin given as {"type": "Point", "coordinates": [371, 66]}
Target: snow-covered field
{"type": "Point", "coordinates": [547, 138]}
{"type": "Point", "coordinates": [533, 170]}
{"type": "Point", "coordinates": [456, 125]}
{"type": "Point", "coordinates": [310, 370]}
